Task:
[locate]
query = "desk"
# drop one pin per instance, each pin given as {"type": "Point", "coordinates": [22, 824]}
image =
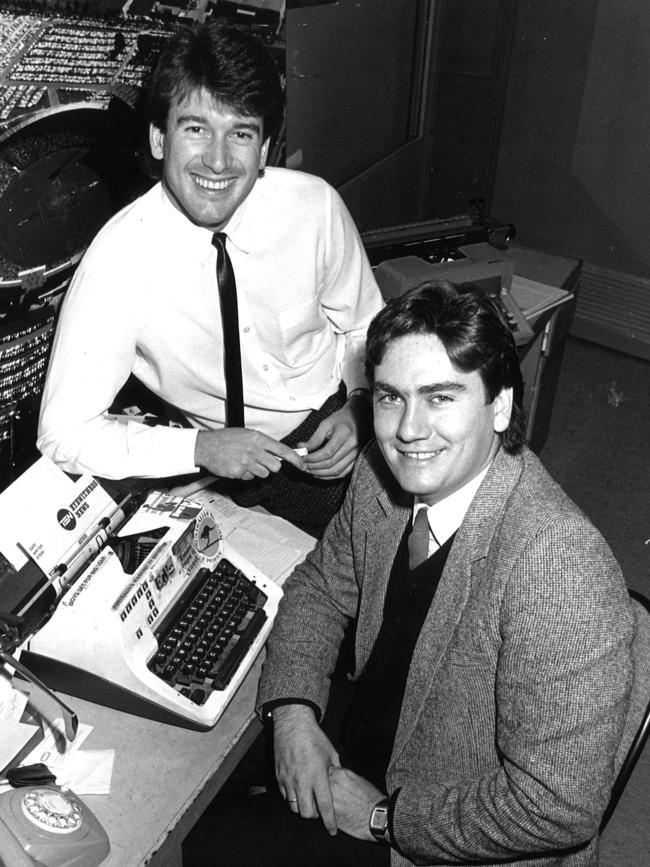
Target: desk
{"type": "Point", "coordinates": [163, 777]}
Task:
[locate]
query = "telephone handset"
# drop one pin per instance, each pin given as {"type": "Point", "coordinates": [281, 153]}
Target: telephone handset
{"type": "Point", "coordinates": [46, 826]}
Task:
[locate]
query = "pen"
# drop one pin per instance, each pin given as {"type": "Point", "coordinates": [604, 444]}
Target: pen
{"type": "Point", "coordinates": [107, 525]}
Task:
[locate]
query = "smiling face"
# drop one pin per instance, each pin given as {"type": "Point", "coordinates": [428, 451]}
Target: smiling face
{"type": "Point", "coordinates": [211, 157]}
{"type": "Point", "coordinates": [432, 423]}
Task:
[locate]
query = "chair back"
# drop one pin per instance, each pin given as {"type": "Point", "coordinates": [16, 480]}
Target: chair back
{"type": "Point", "coordinates": [637, 724]}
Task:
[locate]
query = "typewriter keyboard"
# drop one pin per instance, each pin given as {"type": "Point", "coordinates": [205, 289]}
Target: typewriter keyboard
{"type": "Point", "coordinates": [213, 626]}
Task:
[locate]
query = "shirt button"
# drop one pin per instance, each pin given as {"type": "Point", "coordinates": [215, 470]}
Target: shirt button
{"type": "Point", "coordinates": [291, 397]}
{"type": "Point", "coordinates": [246, 329]}
{"type": "Point", "coordinates": [265, 367]}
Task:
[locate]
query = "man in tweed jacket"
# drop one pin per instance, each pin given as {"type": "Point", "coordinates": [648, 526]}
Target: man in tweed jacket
{"type": "Point", "coordinates": [515, 693]}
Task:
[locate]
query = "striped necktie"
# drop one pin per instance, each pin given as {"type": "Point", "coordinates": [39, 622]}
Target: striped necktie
{"type": "Point", "coordinates": [230, 325]}
{"type": "Point", "coordinates": [418, 541]}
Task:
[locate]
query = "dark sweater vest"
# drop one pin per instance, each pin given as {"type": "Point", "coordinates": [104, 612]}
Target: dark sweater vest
{"type": "Point", "coordinates": [369, 731]}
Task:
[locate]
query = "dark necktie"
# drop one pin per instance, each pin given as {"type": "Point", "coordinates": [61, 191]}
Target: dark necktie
{"type": "Point", "coordinates": [230, 325]}
{"type": "Point", "coordinates": [418, 541]}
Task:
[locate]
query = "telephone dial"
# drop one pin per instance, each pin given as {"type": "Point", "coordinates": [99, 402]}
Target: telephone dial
{"type": "Point", "coordinates": [47, 826]}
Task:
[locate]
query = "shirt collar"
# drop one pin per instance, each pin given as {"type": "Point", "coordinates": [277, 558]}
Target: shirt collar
{"type": "Point", "coordinates": [183, 230]}
{"type": "Point", "coordinates": [446, 516]}
{"type": "Point", "coordinates": [244, 227]}
{"type": "Point", "coordinates": [238, 228]}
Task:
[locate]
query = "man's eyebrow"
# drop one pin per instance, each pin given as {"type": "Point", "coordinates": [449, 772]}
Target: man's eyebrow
{"type": "Point", "coordinates": [250, 125]}
{"type": "Point", "coordinates": [378, 385]}
{"type": "Point", "coordinates": [189, 118]}
{"type": "Point", "coordinates": [200, 119]}
{"type": "Point", "coordinates": [431, 388]}
{"type": "Point", "coordinates": [449, 385]}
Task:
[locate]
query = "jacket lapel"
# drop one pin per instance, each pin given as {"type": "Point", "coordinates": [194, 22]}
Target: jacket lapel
{"type": "Point", "coordinates": [469, 550]}
{"type": "Point", "coordinates": [385, 528]}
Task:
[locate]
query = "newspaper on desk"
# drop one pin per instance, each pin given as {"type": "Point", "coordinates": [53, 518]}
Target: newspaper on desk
{"type": "Point", "coordinates": [270, 543]}
{"type": "Point", "coordinates": [274, 545]}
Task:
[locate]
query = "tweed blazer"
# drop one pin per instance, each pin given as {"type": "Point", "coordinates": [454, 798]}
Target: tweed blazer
{"type": "Point", "coordinates": [519, 683]}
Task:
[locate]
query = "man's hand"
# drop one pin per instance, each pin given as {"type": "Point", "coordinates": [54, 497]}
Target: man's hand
{"type": "Point", "coordinates": [304, 756]}
{"type": "Point", "coordinates": [240, 453]}
{"type": "Point", "coordinates": [354, 797]}
{"type": "Point", "coordinates": [335, 444]}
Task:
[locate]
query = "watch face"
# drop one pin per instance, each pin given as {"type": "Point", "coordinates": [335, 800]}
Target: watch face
{"type": "Point", "coordinates": [379, 819]}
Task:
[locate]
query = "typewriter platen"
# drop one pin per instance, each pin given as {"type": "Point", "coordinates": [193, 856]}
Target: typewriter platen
{"type": "Point", "coordinates": [154, 614]}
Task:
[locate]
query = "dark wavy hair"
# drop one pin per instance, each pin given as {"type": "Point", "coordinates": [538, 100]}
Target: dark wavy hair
{"type": "Point", "coordinates": [232, 65]}
{"type": "Point", "coordinates": [472, 329]}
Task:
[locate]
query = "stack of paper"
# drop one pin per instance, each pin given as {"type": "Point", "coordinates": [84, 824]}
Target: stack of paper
{"type": "Point", "coordinates": [534, 298]}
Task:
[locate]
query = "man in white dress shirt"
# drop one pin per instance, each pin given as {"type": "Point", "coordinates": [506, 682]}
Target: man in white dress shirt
{"type": "Point", "coordinates": [144, 300]}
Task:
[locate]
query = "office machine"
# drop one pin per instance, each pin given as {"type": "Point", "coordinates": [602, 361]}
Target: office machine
{"type": "Point", "coordinates": [464, 250]}
{"type": "Point", "coordinates": [438, 239]}
{"type": "Point", "coordinates": [140, 606]}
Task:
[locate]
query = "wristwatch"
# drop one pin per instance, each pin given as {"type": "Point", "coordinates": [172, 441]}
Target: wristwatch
{"type": "Point", "coordinates": [379, 821]}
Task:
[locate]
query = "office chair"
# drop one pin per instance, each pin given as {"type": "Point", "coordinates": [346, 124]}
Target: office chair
{"type": "Point", "coordinates": [637, 726]}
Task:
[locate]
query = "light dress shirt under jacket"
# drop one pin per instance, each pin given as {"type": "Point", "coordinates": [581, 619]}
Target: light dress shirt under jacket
{"type": "Point", "coordinates": [145, 300]}
{"type": "Point", "coordinates": [446, 516]}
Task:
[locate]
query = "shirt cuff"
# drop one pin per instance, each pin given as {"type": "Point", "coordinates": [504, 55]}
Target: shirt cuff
{"type": "Point", "coordinates": [269, 706]}
{"type": "Point", "coordinates": [175, 447]}
{"type": "Point", "coordinates": [391, 814]}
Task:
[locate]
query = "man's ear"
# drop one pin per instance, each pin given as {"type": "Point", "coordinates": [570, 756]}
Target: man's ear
{"type": "Point", "coordinates": [502, 409]}
{"type": "Point", "coordinates": [264, 152]}
{"type": "Point", "coordinates": [156, 141]}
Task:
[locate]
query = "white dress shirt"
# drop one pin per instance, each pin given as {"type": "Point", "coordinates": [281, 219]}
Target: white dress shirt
{"type": "Point", "coordinates": [446, 516]}
{"type": "Point", "coordinates": [145, 300]}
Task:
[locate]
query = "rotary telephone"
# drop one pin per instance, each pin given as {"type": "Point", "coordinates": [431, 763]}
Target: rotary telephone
{"type": "Point", "coordinates": [43, 825]}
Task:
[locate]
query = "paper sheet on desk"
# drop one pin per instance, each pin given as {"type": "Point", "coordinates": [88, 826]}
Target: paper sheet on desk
{"type": "Point", "coordinates": [534, 297]}
{"type": "Point", "coordinates": [55, 747]}
{"type": "Point", "coordinates": [12, 701]}
{"type": "Point", "coordinates": [87, 772]}
{"type": "Point", "coordinates": [15, 736]}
